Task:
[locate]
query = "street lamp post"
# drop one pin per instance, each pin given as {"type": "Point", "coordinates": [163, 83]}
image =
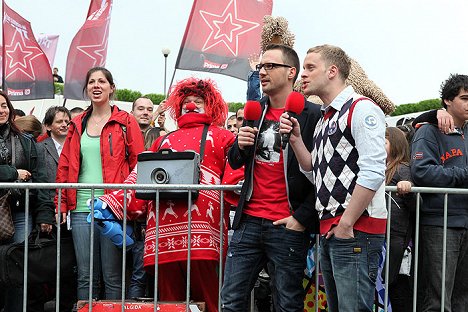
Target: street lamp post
{"type": "Point", "coordinates": [165, 52]}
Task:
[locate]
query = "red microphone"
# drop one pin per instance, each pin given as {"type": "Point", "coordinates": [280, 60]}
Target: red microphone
{"type": "Point", "coordinates": [294, 106]}
{"type": "Point", "coordinates": [252, 112]}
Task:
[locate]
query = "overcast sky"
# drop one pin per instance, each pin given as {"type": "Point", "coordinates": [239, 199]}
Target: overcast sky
{"type": "Point", "coordinates": [408, 47]}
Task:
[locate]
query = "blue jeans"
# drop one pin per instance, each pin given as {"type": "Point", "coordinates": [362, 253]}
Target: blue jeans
{"type": "Point", "coordinates": [257, 242]}
{"type": "Point", "coordinates": [107, 257]}
{"type": "Point", "coordinates": [349, 270]}
{"type": "Point", "coordinates": [14, 296]}
{"type": "Point", "coordinates": [456, 274]}
{"type": "Point", "coordinates": [137, 287]}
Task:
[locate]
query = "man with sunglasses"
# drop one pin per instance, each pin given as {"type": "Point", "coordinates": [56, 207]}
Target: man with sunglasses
{"type": "Point", "coordinates": [275, 212]}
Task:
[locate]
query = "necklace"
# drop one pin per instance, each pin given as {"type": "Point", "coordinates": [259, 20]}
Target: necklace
{"type": "Point", "coordinates": [97, 122]}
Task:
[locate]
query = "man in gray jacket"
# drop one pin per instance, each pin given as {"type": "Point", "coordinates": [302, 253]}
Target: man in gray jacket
{"type": "Point", "coordinates": [440, 160]}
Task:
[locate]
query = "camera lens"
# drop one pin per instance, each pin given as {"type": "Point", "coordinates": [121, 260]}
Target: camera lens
{"type": "Point", "coordinates": [160, 176]}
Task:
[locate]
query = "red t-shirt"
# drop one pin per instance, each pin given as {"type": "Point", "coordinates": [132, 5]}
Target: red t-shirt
{"type": "Point", "coordinates": [269, 197]}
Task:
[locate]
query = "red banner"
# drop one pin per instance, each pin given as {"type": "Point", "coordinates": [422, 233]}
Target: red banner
{"type": "Point", "coordinates": [48, 44]}
{"type": "Point", "coordinates": [27, 74]}
{"type": "Point", "coordinates": [88, 49]}
{"type": "Point", "coordinates": [221, 34]}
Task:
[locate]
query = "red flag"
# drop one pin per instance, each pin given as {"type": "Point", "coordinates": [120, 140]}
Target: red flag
{"type": "Point", "coordinates": [48, 44]}
{"type": "Point", "coordinates": [27, 74]}
{"type": "Point", "coordinates": [88, 49]}
{"type": "Point", "coordinates": [221, 34]}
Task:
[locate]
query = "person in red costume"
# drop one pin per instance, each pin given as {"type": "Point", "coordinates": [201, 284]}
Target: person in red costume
{"type": "Point", "coordinates": [193, 103]}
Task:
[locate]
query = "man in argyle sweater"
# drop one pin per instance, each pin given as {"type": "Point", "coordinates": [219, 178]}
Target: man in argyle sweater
{"type": "Point", "coordinates": [347, 166]}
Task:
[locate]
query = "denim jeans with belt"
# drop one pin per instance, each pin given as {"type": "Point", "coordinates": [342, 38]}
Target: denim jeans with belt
{"type": "Point", "coordinates": [349, 270]}
{"type": "Point", "coordinates": [257, 242]}
{"type": "Point", "coordinates": [107, 257]}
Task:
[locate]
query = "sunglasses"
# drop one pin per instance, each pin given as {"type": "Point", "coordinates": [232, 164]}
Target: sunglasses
{"type": "Point", "coordinates": [270, 66]}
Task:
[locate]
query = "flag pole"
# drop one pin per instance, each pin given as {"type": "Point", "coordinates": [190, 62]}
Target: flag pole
{"type": "Point", "coordinates": [64, 102]}
{"type": "Point", "coordinates": [172, 80]}
{"type": "Point", "coordinates": [3, 49]}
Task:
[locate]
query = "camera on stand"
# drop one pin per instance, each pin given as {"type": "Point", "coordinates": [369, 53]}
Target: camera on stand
{"type": "Point", "coordinates": [168, 167]}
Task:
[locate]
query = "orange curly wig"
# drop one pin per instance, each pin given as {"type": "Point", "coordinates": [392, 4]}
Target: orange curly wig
{"type": "Point", "coordinates": [215, 107]}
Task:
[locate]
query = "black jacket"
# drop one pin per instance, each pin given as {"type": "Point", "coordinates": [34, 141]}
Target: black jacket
{"type": "Point", "coordinates": [301, 192]}
{"type": "Point", "coordinates": [41, 206]}
{"type": "Point", "coordinates": [441, 160]}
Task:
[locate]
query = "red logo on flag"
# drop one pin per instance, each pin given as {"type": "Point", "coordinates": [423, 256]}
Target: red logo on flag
{"type": "Point", "coordinates": [226, 28]}
{"type": "Point", "coordinates": [27, 70]}
{"type": "Point", "coordinates": [20, 55]}
{"type": "Point", "coordinates": [222, 34]}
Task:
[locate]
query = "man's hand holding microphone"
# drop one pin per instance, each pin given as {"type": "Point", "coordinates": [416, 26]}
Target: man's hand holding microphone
{"type": "Point", "coordinates": [247, 133]}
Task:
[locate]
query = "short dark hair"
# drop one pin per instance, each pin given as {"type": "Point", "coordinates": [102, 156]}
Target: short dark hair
{"type": "Point", "coordinates": [76, 110]}
{"type": "Point", "coordinates": [106, 73]}
{"type": "Point", "coordinates": [19, 112]}
{"type": "Point", "coordinates": [451, 87]}
{"type": "Point", "coordinates": [52, 111]}
{"type": "Point", "coordinates": [289, 56]}
{"type": "Point", "coordinates": [141, 97]}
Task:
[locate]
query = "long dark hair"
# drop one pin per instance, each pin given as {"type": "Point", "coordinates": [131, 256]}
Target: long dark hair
{"type": "Point", "coordinates": [11, 116]}
{"type": "Point", "coordinates": [106, 73]}
{"type": "Point", "coordinates": [399, 152]}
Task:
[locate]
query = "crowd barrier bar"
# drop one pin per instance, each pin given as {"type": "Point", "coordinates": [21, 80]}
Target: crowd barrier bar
{"type": "Point", "coordinates": [222, 189]}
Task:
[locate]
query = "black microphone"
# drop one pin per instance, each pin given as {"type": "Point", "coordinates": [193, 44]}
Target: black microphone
{"type": "Point", "coordinates": [294, 107]}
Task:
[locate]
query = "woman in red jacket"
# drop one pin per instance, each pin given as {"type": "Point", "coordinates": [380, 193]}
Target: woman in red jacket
{"type": "Point", "coordinates": [113, 136]}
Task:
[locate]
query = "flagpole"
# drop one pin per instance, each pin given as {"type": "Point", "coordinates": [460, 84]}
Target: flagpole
{"type": "Point", "coordinates": [165, 52]}
{"type": "Point", "coordinates": [3, 49]}
{"type": "Point", "coordinates": [172, 80]}
{"type": "Point", "coordinates": [64, 102]}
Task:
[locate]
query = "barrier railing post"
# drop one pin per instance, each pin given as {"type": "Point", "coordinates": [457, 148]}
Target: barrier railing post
{"type": "Point", "coordinates": [444, 254]}
{"type": "Point", "coordinates": [221, 247]}
{"type": "Point", "coordinates": [387, 252]}
{"type": "Point", "coordinates": [416, 252]}
{"type": "Point", "coordinates": [189, 249]}
{"type": "Point", "coordinates": [156, 252]}
{"type": "Point", "coordinates": [59, 259]}
{"type": "Point", "coordinates": [317, 270]}
{"type": "Point", "coordinates": [91, 256]}
{"type": "Point", "coordinates": [26, 251]}
{"type": "Point", "coordinates": [124, 249]}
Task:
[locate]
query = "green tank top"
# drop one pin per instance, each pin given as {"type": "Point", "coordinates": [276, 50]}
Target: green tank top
{"type": "Point", "coordinates": [90, 170]}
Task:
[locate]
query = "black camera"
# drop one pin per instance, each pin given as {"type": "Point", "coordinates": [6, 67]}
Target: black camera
{"type": "Point", "coordinates": [168, 167]}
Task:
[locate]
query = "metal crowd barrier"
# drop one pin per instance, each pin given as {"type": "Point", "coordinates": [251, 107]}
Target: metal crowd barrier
{"type": "Point", "coordinates": [222, 189]}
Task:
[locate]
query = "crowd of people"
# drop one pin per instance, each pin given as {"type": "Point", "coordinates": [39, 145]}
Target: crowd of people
{"type": "Point", "coordinates": [328, 180]}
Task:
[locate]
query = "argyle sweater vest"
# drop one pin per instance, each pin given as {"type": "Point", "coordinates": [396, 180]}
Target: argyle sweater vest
{"type": "Point", "coordinates": [334, 160]}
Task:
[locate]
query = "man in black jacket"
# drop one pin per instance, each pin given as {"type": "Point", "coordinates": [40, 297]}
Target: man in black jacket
{"type": "Point", "coordinates": [439, 160]}
{"type": "Point", "coordinates": [275, 213]}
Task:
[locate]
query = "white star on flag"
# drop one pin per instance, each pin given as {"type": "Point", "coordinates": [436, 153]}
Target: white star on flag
{"type": "Point", "coordinates": [226, 28]}
{"type": "Point", "coordinates": [22, 63]}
